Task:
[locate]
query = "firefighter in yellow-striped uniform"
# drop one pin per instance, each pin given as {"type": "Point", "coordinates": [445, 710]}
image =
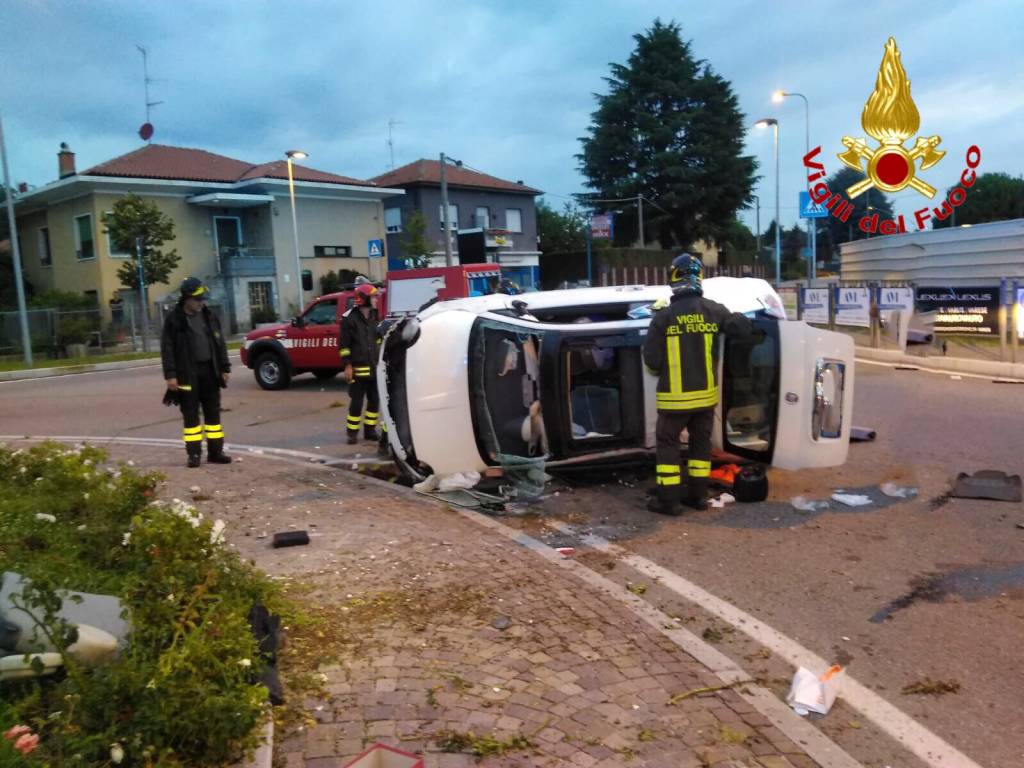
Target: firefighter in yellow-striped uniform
{"type": "Point", "coordinates": [359, 350]}
{"type": "Point", "coordinates": [682, 351]}
{"type": "Point", "coordinates": [196, 367]}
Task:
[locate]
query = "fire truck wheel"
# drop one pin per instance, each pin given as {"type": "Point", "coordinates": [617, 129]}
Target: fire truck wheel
{"type": "Point", "coordinates": [326, 374]}
{"type": "Point", "coordinates": [271, 371]}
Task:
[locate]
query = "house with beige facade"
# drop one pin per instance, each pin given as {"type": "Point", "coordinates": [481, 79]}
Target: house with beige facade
{"type": "Point", "coordinates": [232, 225]}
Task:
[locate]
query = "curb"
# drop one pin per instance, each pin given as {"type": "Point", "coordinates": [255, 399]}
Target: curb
{"type": "Point", "coordinates": [70, 370]}
{"type": "Point", "coordinates": [988, 368]}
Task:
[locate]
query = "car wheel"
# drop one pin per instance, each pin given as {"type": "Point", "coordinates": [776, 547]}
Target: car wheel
{"type": "Point", "coordinates": [271, 372]}
{"type": "Point", "coordinates": [326, 374]}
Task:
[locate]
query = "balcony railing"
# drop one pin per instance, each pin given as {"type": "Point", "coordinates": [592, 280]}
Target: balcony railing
{"type": "Point", "coordinates": [246, 261]}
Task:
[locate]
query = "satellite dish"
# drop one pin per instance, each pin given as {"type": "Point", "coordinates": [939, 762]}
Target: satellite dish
{"type": "Point", "coordinates": [146, 131]}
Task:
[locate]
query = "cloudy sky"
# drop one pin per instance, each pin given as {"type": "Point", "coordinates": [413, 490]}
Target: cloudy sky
{"type": "Point", "coordinates": [507, 87]}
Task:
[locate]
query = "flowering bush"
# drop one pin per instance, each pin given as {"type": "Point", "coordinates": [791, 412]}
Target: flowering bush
{"type": "Point", "coordinates": [183, 691]}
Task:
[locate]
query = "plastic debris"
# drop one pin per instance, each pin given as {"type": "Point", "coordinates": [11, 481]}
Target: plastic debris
{"type": "Point", "coordinates": [862, 435]}
{"type": "Point", "coordinates": [460, 481]}
{"type": "Point", "coordinates": [813, 693]}
{"type": "Point", "coordinates": [566, 551]}
{"type": "Point", "coordinates": [988, 484]}
{"type": "Point", "coordinates": [803, 504]}
{"type": "Point", "coordinates": [852, 499]}
{"type": "Point", "coordinates": [290, 539]}
{"type": "Point", "coordinates": [722, 500]}
{"type": "Point", "coordinates": [898, 491]}
{"type": "Point", "coordinates": [501, 622]}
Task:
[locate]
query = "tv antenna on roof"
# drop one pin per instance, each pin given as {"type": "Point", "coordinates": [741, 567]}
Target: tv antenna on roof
{"type": "Point", "coordinates": [146, 131]}
{"type": "Point", "coordinates": [391, 144]}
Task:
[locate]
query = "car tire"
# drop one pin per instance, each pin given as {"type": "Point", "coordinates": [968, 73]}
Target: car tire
{"type": "Point", "coordinates": [324, 375]}
{"type": "Point", "coordinates": [271, 371]}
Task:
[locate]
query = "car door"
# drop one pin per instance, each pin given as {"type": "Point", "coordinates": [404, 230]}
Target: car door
{"type": "Point", "coordinates": [787, 399]}
{"type": "Point", "coordinates": [314, 342]}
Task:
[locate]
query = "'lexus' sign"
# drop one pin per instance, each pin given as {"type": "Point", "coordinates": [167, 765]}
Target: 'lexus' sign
{"type": "Point", "coordinates": [972, 309]}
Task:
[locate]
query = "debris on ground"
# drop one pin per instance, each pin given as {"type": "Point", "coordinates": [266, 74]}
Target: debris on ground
{"type": "Point", "coordinates": [566, 551]}
{"type": "Point", "coordinates": [803, 504]}
{"type": "Point", "coordinates": [862, 435]}
{"type": "Point", "coordinates": [290, 539]}
{"type": "Point", "coordinates": [814, 693]}
{"type": "Point", "coordinates": [929, 687]}
{"type": "Point", "coordinates": [852, 499]}
{"type": "Point", "coordinates": [479, 746]}
{"type": "Point", "coordinates": [898, 491]}
{"type": "Point", "coordinates": [383, 756]}
{"type": "Point", "coordinates": [636, 589]}
{"type": "Point", "coordinates": [501, 622]}
{"type": "Point", "coordinates": [987, 484]}
{"type": "Point", "coordinates": [676, 698]}
{"type": "Point", "coordinates": [721, 500]}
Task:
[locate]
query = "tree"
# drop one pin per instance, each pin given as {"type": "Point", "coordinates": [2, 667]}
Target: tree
{"type": "Point", "coordinates": [994, 197]}
{"type": "Point", "coordinates": [841, 232]}
{"type": "Point", "coordinates": [415, 244]}
{"type": "Point", "coordinates": [561, 232]}
{"type": "Point", "coordinates": [737, 243]}
{"type": "Point", "coordinates": [132, 218]}
{"type": "Point", "coordinates": [669, 129]}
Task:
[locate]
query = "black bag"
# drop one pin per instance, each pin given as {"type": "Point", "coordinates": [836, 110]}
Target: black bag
{"type": "Point", "coordinates": [751, 484]}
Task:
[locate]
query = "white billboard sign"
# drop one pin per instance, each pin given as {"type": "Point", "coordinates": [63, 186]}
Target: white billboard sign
{"type": "Point", "coordinates": [853, 307]}
{"type": "Point", "coordinates": [815, 301]}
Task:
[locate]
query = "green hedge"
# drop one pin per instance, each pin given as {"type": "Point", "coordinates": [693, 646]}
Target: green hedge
{"type": "Point", "coordinates": [183, 693]}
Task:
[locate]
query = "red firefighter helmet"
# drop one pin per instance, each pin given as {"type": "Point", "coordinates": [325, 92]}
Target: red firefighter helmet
{"type": "Point", "coordinates": [365, 294]}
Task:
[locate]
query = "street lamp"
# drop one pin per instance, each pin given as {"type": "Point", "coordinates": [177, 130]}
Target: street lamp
{"type": "Point", "coordinates": [771, 121]}
{"type": "Point", "coordinates": [812, 225]}
{"type": "Point", "coordinates": [295, 154]}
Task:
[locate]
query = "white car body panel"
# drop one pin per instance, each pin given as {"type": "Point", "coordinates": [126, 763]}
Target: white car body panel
{"type": "Point", "coordinates": [438, 387]}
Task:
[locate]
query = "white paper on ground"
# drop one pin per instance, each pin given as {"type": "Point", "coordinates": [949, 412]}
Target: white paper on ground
{"type": "Point", "coordinates": [852, 499]}
{"type": "Point", "coordinates": [720, 501]}
{"type": "Point", "coordinates": [803, 504]}
{"type": "Point", "coordinates": [813, 693]}
{"type": "Point", "coordinates": [897, 491]}
{"type": "Point", "coordinates": [460, 481]}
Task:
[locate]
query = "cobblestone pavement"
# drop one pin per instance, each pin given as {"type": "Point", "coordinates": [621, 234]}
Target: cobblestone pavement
{"type": "Point", "coordinates": [452, 627]}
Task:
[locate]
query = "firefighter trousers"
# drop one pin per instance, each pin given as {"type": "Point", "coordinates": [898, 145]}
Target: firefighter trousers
{"type": "Point", "coordinates": [357, 391]}
{"type": "Point", "coordinates": [205, 394]}
{"type": "Point", "coordinates": [698, 466]}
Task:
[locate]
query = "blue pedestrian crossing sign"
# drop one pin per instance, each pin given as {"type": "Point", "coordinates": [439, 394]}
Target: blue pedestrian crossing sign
{"type": "Point", "coordinates": [376, 248]}
{"type": "Point", "coordinates": [810, 209]}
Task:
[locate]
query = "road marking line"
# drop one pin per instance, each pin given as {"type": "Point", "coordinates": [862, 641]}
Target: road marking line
{"type": "Point", "coordinates": [816, 744]}
{"type": "Point", "coordinates": [933, 750]}
{"type": "Point", "coordinates": [938, 371]}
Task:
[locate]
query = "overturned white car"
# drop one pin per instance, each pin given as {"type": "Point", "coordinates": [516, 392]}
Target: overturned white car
{"type": "Point", "coordinates": [496, 380]}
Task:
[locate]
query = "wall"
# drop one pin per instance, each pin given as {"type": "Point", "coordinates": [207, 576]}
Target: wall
{"type": "Point", "coordinates": [41, 278]}
{"type": "Point", "coordinates": [324, 221]}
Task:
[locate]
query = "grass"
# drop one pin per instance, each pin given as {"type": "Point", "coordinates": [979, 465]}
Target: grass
{"type": "Point", "coordinates": [18, 365]}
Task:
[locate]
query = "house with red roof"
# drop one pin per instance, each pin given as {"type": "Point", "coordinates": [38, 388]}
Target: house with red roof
{"type": "Point", "coordinates": [233, 228]}
{"type": "Point", "coordinates": [491, 219]}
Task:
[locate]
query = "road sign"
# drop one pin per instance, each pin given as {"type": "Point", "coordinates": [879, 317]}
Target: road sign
{"type": "Point", "coordinates": [809, 209]}
{"type": "Point", "coordinates": [601, 226]}
{"type": "Point", "coordinates": [376, 248]}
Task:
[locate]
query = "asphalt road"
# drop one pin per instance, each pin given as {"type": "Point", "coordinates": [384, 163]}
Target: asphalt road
{"type": "Point", "coordinates": [958, 565]}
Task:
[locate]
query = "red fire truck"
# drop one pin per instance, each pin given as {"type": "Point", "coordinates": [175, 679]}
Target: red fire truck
{"type": "Point", "coordinates": [309, 343]}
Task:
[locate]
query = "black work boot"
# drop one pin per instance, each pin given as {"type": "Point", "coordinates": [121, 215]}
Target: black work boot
{"type": "Point", "coordinates": [353, 437]}
{"type": "Point", "coordinates": [215, 452]}
{"type": "Point", "coordinates": [194, 455]}
{"type": "Point", "coordinates": [665, 501]}
{"type": "Point", "coordinates": [370, 433]}
{"type": "Point", "coordinates": [696, 496]}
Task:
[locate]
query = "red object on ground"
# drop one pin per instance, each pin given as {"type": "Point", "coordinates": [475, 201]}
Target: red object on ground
{"type": "Point", "coordinates": [726, 473]}
{"type": "Point", "coordinates": [383, 756]}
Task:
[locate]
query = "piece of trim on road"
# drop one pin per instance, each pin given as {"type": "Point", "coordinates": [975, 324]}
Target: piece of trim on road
{"type": "Point", "coordinates": [932, 749]}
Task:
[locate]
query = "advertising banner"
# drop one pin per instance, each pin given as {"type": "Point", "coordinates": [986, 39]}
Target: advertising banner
{"type": "Point", "coordinates": [894, 300]}
{"type": "Point", "coordinates": [1020, 313]}
{"type": "Point", "coordinates": [853, 306]}
{"type": "Point", "coordinates": [815, 301]}
{"type": "Point", "coordinates": [971, 309]}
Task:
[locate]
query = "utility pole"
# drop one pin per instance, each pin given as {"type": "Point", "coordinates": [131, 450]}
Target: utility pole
{"type": "Point", "coordinates": [146, 80]}
{"type": "Point", "coordinates": [448, 261]}
{"type": "Point", "coordinates": [26, 340]}
{"type": "Point", "coordinates": [757, 203]}
{"type": "Point", "coordinates": [640, 215]}
{"type": "Point", "coordinates": [391, 144]}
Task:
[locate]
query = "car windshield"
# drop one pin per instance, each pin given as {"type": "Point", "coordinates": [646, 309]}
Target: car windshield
{"type": "Point", "coordinates": [505, 386]}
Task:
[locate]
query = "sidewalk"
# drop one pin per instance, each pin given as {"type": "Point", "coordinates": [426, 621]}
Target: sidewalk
{"type": "Point", "coordinates": [438, 624]}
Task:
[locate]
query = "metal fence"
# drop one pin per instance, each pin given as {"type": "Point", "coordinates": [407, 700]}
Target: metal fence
{"type": "Point", "coordinates": [658, 275]}
{"type": "Point", "coordinates": [58, 333]}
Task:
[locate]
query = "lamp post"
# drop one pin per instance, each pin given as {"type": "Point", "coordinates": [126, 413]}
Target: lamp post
{"type": "Point", "coordinates": [26, 340]}
{"type": "Point", "coordinates": [812, 225]}
{"type": "Point", "coordinates": [295, 154]}
{"type": "Point", "coordinates": [757, 208]}
{"type": "Point", "coordinates": [771, 121]}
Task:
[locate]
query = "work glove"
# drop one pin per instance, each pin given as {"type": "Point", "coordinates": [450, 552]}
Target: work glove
{"type": "Point", "coordinates": [171, 397]}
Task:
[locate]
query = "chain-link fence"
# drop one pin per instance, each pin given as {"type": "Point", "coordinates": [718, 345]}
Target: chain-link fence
{"type": "Point", "coordinates": [52, 332]}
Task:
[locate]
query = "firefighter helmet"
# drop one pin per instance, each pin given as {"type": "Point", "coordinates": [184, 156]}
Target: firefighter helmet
{"type": "Point", "coordinates": [193, 288]}
{"type": "Point", "coordinates": [361, 280]}
{"type": "Point", "coordinates": [364, 294]}
{"type": "Point", "coordinates": [686, 274]}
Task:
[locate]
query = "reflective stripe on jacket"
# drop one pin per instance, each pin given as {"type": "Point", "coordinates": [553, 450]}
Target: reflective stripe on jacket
{"type": "Point", "coordinates": [682, 350]}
